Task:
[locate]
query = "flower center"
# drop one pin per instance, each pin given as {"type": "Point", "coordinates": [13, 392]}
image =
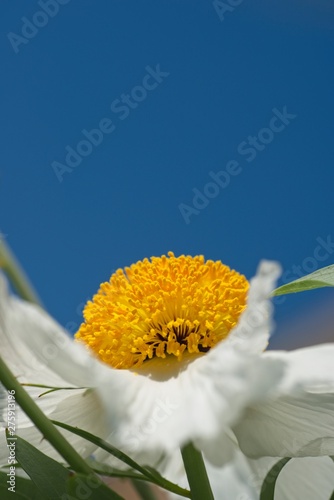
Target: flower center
{"type": "Point", "coordinates": [163, 306]}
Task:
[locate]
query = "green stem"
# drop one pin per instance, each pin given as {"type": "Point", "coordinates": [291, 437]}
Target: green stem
{"type": "Point", "coordinates": [144, 490]}
{"type": "Point", "coordinates": [49, 431]}
{"type": "Point", "coordinates": [16, 274]}
{"type": "Point", "coordinates": [148, 474]}
{"type": "Point", "coordinates": [196, 473]}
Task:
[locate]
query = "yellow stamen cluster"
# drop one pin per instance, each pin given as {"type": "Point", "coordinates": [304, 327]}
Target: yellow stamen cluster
{"type": "Point", "coordinates": [163, 306]}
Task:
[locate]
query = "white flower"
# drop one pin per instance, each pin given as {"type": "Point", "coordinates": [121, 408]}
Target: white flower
{"type": "Point", "coordinates": [151, 412]}
{"type": "Point", "coordinates": [217, 383]}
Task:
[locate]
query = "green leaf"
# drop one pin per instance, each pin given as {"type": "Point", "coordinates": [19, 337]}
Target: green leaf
{"type": "Point", "coordinates": [319, 279]}
{"type": "Point", "coordinates": [81, 486]}
{"type": "Point", "coordinates": [53, 480]}
{"type": "Point", "coordinates": [106, 470]}
{"type": "Point", "coordinates": [148, 473]}
{"type": "Point", "coordinates": [105, 446]}
{"type": "Point", "coordinates": [198, 479]}
{"type": "Point", "coordinates": [24, 489]}
{"type": "Point", "coordinates": [49, 476]}
{"type": "Point", "coordinates": [51, 388]}
{"type": "Point", "coordinates": [268, 486]}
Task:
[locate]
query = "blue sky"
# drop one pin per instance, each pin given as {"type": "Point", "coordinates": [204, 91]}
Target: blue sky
{"type": "Point", "coordinates": [133, 128]}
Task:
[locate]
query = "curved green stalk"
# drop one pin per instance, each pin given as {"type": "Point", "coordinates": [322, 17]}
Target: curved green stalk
{"type": "Point", "coordinates": [16, 274]}
{"type": "Point", "coordinates": [196, 473]}
{"type": "Point", "coordinates": [148, 474]}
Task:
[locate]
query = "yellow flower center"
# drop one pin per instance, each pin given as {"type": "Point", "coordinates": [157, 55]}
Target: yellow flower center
{"type": "Point", "coordinates": [163, 306]}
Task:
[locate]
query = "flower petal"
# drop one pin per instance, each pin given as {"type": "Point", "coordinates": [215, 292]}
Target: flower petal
{"type": "Point", "coordinates": [36, 348]}
{"type": "Point", "coordinates": [77, 408]}
{"type": "Point", "coordinates": [301, 478]}
{"type": "Point", "coordinates": [255, 325]}
{"type": "Point", "coordinates": [306, 478]}
{"type": "Point", "coordinates": [299, 418]}
{"type": "Point", "coordinates": [196, 405]}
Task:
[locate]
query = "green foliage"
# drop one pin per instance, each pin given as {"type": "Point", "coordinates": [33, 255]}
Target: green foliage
{"type": "Point", "coordinates": [146, 473]}
{"type": "Point", "coordinates": [52, 481]}
{"type": "Point", "coordinates": [319, 279]}
{"type": "Point", "coordinates": [49, 476]}
{"type": "Point", "coordinates": [24, 489]}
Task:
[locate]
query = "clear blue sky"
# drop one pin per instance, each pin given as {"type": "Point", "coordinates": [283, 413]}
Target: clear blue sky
{"type": "Point", "coordinates": [184, 94]}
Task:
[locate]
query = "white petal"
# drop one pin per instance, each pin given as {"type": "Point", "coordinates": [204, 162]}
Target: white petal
{"type": "Point", "coordinates": [299, 419]}
{"type": "Point", "coordinates": [37, 349]}
{"type": "Point", "coordinates": [301, 478]}
{"type": "Point", "coordinates": [231, 481]}
{"type": "Point", "coordinates": [20, 324]}
{"type": "Point", "coordinates": [221, 450]}
{"type": "Point", "coordinates": [255, 325]}
{"type": "Point", "coordinates": [198, 404]}
{"type": "Point", "coordinates": [77, 408]}
{"type": "Point", "coordinates": [307, 479]}
{"type": "Point", "coordinates": [16, 354]}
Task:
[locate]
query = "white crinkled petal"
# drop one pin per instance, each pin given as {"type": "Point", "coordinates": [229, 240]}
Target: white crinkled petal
{"type": "Point", "coordinates": [196, 405]}
{"type": "Point", "coordinates": [255, 326]}
{"type": "Point", "coordinates": [299, 419]}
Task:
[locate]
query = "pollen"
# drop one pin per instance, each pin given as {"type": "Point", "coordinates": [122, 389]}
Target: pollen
{"type": "Point", "coordinates": [163, 307]}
